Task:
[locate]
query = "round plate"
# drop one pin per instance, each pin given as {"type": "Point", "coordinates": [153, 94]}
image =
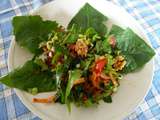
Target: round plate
{"type": "Point", "coordinates": [133, 87]}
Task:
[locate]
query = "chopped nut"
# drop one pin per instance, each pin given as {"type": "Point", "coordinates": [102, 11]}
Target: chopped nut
{"type": "Point", "coordinates": [81, 48]}
{"type": "Point", "coordinates": [119, 63]}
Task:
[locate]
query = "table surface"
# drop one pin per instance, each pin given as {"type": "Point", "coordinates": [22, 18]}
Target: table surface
{"type": "Point", "coordinates": [147, 14]}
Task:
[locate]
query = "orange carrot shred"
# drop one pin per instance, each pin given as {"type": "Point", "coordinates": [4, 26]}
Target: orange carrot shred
{"type": "Point", "coordinates": [44, 100]}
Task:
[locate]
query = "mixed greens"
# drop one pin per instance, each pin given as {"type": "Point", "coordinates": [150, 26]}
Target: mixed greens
{"type": "Point", "coordinates": [83, 63]}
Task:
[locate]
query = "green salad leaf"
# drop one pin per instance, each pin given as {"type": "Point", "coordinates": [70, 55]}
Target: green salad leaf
{"type": "Point", "coordinates": [30, 31]}
{"type": "Point", "coordinates": [89, 17]}
{"type": "Point", "coordinates": [135, 50]}
{"type": "Point", "coordinates": [73, 75]}
{"type": "Point", "coordinates": [30, 76]}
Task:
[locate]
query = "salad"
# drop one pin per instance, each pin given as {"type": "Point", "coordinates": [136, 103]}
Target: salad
{"type": "Point", "coordinates": [83, 63]}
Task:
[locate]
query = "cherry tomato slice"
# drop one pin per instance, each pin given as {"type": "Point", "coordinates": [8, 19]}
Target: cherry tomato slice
{"type": "Point", "coordinates": [100, 64]}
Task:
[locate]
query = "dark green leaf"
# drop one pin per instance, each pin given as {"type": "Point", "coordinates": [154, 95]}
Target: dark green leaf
{"type": "Point", "coordinates": [30, 31]}
{"type": "Point", "coordinates": [40, 62]}
{"type": "Point", "coordinates": [107, 99]}
{"type": "Point", "coordinates": [89, 17]}
{"type": "Point", "coordinates": [30, 76]}
{"type": "Point", "coordinates": [135, 50]}
{"type": "Point", "coordinates": [73, 75]}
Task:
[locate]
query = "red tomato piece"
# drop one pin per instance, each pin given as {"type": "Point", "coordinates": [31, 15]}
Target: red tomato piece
{"type": "Point", "coordinates": [100, 64]}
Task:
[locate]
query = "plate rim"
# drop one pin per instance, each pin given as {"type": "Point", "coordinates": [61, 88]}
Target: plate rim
{"type": "Point", "coordinates": [42, 115]}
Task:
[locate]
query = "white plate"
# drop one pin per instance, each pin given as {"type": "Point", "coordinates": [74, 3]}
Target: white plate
{"type": "Point", "coordinates": [133, 87]}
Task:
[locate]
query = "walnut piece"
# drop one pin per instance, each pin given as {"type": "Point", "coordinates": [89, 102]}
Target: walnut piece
{"type": "Point", "coordinates": [119, 63]}
{"type": "Point", "coordinates": [81, 48]}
